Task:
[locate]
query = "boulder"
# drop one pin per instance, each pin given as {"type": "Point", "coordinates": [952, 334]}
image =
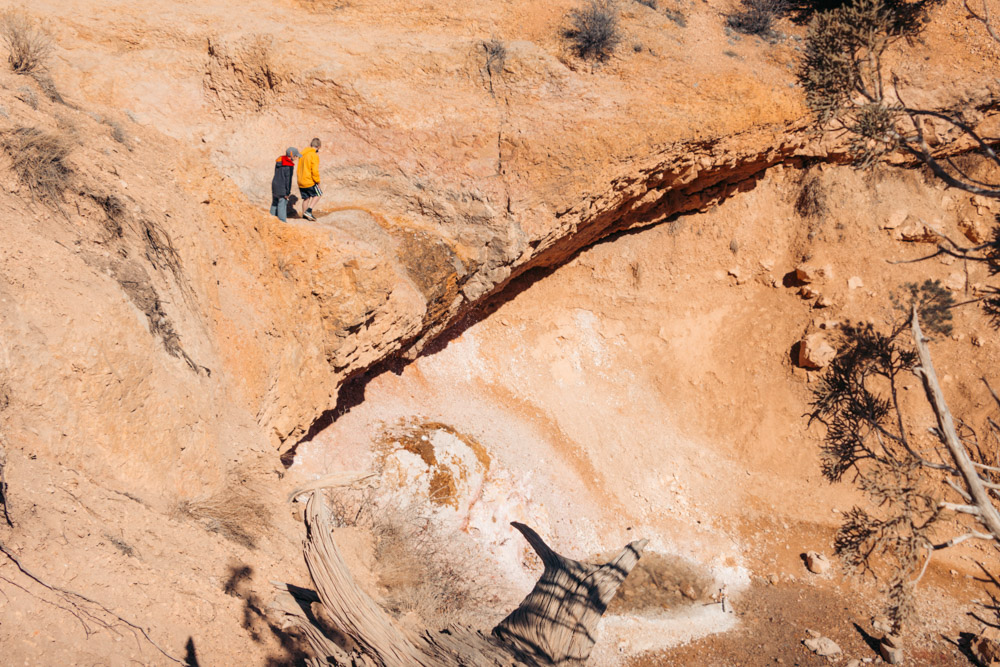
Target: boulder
{"type": "Point", "coordinates": [955, 282]}
{"type": "Point", "coordinates": [895, 219]}
{"type": "Point", "coordinates": [917, 231]}
{"type": "Point", "coordinates": [822, 646]}
{"type": "Point", "coordinates": [817, 563]}
{"type": "Point", "coordinates": [815, 352]}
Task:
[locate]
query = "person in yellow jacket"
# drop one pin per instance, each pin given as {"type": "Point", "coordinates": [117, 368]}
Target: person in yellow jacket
{"type": "Point", "coordinates": [308, 176]}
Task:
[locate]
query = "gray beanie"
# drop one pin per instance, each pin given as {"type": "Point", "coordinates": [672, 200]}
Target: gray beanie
{"type": "Point", "coordinates": [293, 152]}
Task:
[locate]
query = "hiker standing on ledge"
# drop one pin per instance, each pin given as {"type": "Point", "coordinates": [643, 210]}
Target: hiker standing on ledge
{"type": "Point", "coordinates": [309, 178]}
{"type": "Point", "coordinates": [281, 184]}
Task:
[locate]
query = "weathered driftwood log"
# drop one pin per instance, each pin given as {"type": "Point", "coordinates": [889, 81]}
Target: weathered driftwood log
{"type": "Point", "coordinates": [554, 625]}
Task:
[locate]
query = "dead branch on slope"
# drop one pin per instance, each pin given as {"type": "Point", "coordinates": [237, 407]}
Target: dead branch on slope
{"type": "Point", "coordinates": [931, 493]}
{"type": "Point", "coordinates": [553, 625]}
{"type": "Point", "coordinates": [84, 608]}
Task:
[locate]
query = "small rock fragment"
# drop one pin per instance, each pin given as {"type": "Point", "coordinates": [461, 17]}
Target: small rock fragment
{"type": "Point", "coordinates": [891, 650]}
{"type": "Point", "coordinates": [810, 273]}
{"type": "Point", "coordinates": [986, 647]}
{"type": "Point", "coordinates": [854, 282]}
{"type": "Point", "coordinates": [976, 340]}
{"type": "Point", "coordinates": [815, 352]}
{"type": "Point", "coordinates": [881, 624]}
{"type": "Point", "coordinates": [917, 231]}
{"type": "Point", "coordinates": [823, 302]}
{"type": "Point", "coordinates": [895, 219]}
{"type": "Point", "coordinates": [973, 230]}
{"type": "Point", "coordinates": [817, 563]}
{"type": "Point", "coordinates": [853, 663]}
{"type": "Point", "coordinates": [822, 646]}
{"type": "Point", "coordinates": [955, 282]}
{"type": "Point", "coordinates": [807, 292]}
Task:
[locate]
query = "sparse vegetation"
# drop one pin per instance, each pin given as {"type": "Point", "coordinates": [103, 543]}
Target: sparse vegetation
{"type": "Point", "coordinates": [846, 89]}
{"type": "Point", "coordinates": [236, 513]}
{"type": "Point", "coordinates": [28, 96]}
{"type": "Point", "coordinates": [811, 202]}
{"type": "Point", "coordinates": [757, 17]}
{"type": "Point", "coordinates": [594, 30]}
{"type": "Point", "coordinates": [48, 87]}
{"type": "Point", "coordinates": [39, 160]}
{"type": "Point", "coordinates": [124, 547]}
{"type": "Point", "coordinates": [117, 132]}
{"type": "Point", "coordinates": [28, 46]}
{"type": "Point", "coordinates": [676, 16]}
{"type": "Point", "coordinates": [496, 58]}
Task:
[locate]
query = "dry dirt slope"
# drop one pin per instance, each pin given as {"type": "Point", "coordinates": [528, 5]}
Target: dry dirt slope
{"type": "Point", "coordinates": [162, 337]}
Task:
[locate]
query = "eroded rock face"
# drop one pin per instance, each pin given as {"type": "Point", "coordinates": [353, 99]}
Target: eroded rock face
{"type": "Point", "coordinates": [162, 335]}
{"type": "Point", "coordinates": [444, 181]}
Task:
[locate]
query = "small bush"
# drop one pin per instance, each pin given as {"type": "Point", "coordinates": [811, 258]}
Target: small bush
{"type": "Point", "coordinates": [757, 17]}
{"type": "Point", "coordinates": [28, 96]}
{"type": "Point", "coordinates": [48, 87]}
{"type": "Point", "coordinates": [812, 201]}
{"type": "Point", "coordinates": [496, 56]}
{"type": "Point", "coordinates": [38, 159]}
{"type": "Point", "coordinates": [236, 513]}
{"type": "Point", "coordinates": [594, 30]}
{"type": "Point", "coordinates": [28, 46]}
{"type": "Point", "coordinates": [117, 132]}
{"type": "Point", "coordinates": [676, 16]}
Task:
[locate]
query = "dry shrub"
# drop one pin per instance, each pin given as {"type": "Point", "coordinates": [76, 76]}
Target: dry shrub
{"type": "Point", "coordinates": [757, 17]}
{"type": "Point", "coordinates": [39, 160]}
{"type": "Point", "coordinates": [28, 46]}
{"type": "Point", "coordinates": [236, 513]}
{"type": "Point", "coordinates": [594, 30]}
{"type": "Point", "coordinates": [812, 200]}
{"type": "Point", "coordinates": [28, 96]}
{"type": "Point", "coordinates": [48, 86]}
{"type": "Point", "coordinates": [117, 132]}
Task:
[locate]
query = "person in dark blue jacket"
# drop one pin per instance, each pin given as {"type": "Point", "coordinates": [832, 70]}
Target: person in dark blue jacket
{"type": "Point", "coordinates": [281, 184]}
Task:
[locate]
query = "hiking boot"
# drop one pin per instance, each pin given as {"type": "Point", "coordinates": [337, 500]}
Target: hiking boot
{"type": "Point", "coordinates": [309, 216]}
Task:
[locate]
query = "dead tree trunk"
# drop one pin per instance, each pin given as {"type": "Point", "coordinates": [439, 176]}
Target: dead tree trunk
{"type": "Point", "coordinates": [554, 625]}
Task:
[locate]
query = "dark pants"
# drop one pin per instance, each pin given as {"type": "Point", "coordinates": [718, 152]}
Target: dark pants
{"type": "Point", "coordinates": [279, 207]}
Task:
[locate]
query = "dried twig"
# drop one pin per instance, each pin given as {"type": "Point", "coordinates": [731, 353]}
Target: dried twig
{"type": "Point", "coordinates": [984, 18]}
{"type": "Point", "coordinates": [3, 488]}
{"type": "Point", "coordinates": [71, 598]}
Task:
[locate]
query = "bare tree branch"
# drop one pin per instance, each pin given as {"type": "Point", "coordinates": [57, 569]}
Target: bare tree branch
{"type": "Point", "coordinates": [984, 18]}
{"type": "Point", "coordinates": [961, 538]}
{"type": "Point", "coordinates": [987, 512]}
{"type": "Point", "coordinates": [70, 596]}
